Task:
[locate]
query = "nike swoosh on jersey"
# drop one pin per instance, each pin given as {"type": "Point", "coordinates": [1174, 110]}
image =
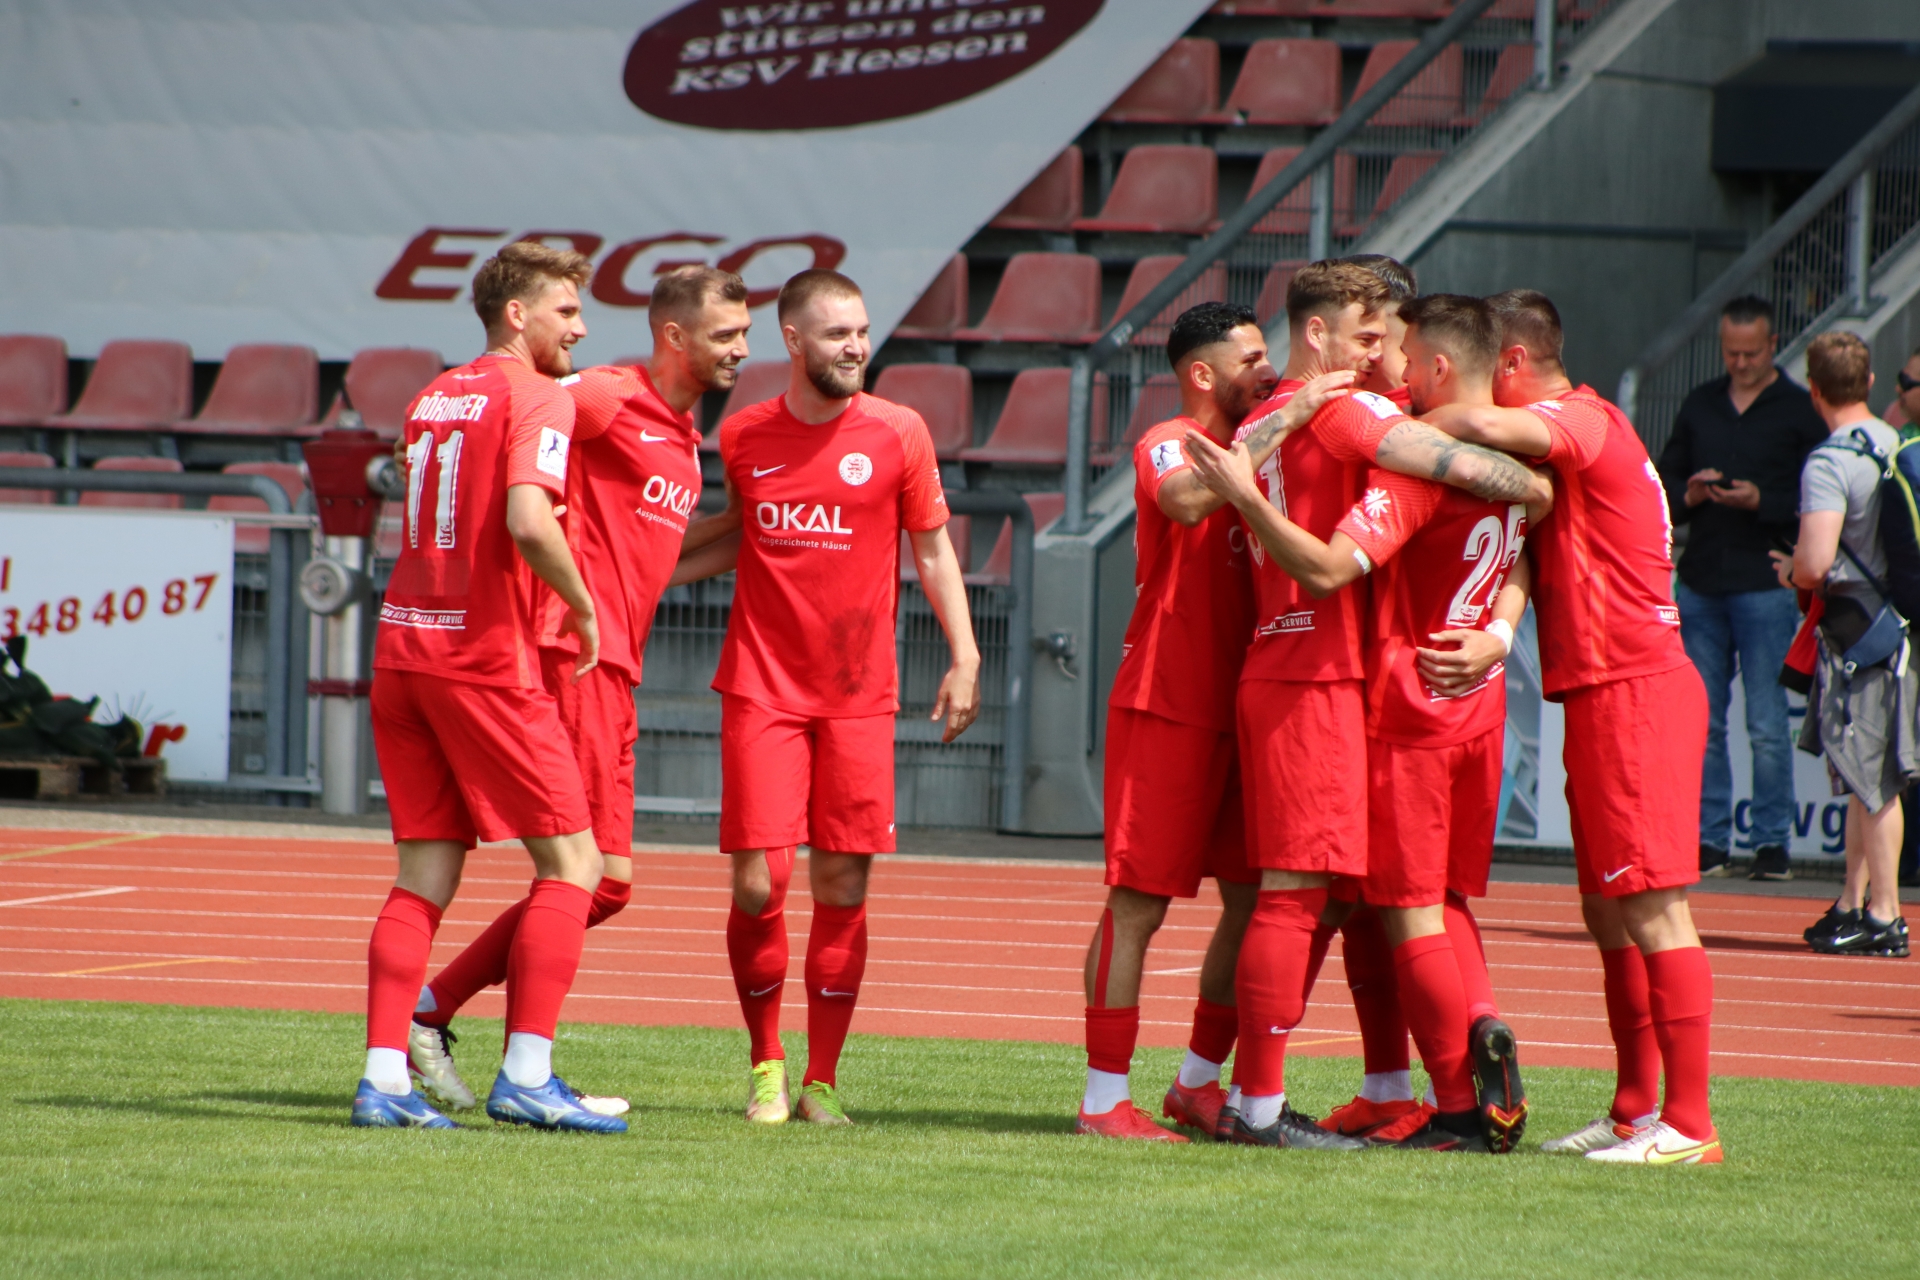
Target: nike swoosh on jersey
{"type": "Point", "coordinates": [1616, 875]}
{"type": "Point", "coordinates": [647, 439]}
{"type": "Point", "coordinates": [758, 472]}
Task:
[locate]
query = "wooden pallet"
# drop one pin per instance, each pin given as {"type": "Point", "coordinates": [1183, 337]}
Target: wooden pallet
{"type": "Point", "coordinates": [76, 778]}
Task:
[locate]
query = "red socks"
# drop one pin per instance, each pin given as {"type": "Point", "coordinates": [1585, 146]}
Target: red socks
{"type": "Point", "coordinates": [1111, 1035]}
{"type": "Point", "coordinates": [1376, 993]}
{"type": "Point", "coordinates": [1270, 984]}
{"type": "Point", "coordinates": [757, 952]}
{"type": "Point", "coordinates": [836, 959]}
{"type": "Point", "coordinates": [1471, 955]}
{"type": "Point", "coordinates": [396, 966]}
{"type": "Point", "coordinates": [1436, 1010]}
{"type": "Point", "coordinates": [545, 955]}
{"type": "Point", "coordinates": [483, 963]}
{"type": "Point", "coordinates": [1680, 991]}
{"type": "Point", "coordinates": [1215, 1027]}
{"type": "Point", "coordinates": [1630, 1019]}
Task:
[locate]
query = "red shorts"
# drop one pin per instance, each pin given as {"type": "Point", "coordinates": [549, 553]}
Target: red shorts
{"type": "Point", "coordinates": [824, 781]}
{"type": "Point", "coordinates": [1174, 808]}
{"type": "Point", "coordinates": [1303, 755]}
{"type": "Point", "coordinates": [472, 761]}
{"type": "Point", "coordinates": [1431, 814]}
{"type": "Point", "coordinates": [1633, 757]}
{"type": "Point", "coordinates": [599, 719]}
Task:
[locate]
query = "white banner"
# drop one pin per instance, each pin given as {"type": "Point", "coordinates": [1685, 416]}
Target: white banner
{"type": "Point", "coordinates": [135, 609]}
{"type": "Point", "coordinates": [225, 171]}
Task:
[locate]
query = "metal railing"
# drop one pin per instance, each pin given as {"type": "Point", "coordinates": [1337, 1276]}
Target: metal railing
{"type": "Point", "coordinates": [1815, 264]}
{"type": "Point", "coordinates": [268, 714]}
{"type": "Point", "coordinates": [1379, 150]}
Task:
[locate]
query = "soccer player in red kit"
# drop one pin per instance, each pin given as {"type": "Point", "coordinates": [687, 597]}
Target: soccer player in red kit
{"type": "Point", "coordinates": [1636, 726]}
{"type": "Point", "coordinates": [1301, 704]}
{"type": "Point", "coordinates": [823, 480]}
{"type": "Point", "coordinates": [1174, 811]}
{"type": "Point", "coordinates": [632, 485]}
{"type": "Point", "coordinates": [469, 739]}
{"type": "Point", "coordinates": [1439, 622]}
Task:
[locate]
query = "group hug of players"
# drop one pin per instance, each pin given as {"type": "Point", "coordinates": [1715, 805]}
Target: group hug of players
{"type": "Point", "coordinates": [1310, 706]}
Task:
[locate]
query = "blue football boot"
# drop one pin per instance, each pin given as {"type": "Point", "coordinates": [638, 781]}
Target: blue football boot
{"type": "Point", "coordinates": [550, 1106]}
{"type": "Point", "coordinates": [374, 1109]}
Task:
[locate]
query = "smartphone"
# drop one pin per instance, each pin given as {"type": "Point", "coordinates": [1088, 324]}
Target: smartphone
{"type": "Point", "coordinates": [1722, 484]}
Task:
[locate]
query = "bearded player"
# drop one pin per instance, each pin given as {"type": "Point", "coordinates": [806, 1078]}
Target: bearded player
{"type": "Point", "coordinates": [1636, 726]}
{"type": "Point", "coordinates": [823, 480]}
{"type": "Point", "coordinates": [1174, 811]}
{"type": "Point", "coordinates": [469, 738]}
{"type": "Point", "coordinates": [631, 491]}
{"type": "Point", "coordinates": [1301, 705]}
{"type": "Point", "coordinates": [1440, 620]}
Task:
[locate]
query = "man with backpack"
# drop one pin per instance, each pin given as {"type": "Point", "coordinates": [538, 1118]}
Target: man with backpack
{"type": "Point", "coordinates": [1857, 548]}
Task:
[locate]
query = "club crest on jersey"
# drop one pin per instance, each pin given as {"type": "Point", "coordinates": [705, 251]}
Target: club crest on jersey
{"type": "Point", "coordinates": [552, 457]}
{"type": "Point", "coordinates": [1166, 456]}
{"type": "Point", "coordinates": [796, 517]}
{"type": "Point", "coordinates": [1375, 503]}
{"type": "Point", "coordinates": [1380, 405]}
{"type": "Point", "coordinates": [856, 469]}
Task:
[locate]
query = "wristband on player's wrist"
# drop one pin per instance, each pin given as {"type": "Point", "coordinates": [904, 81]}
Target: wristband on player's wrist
{"type": "Point", "coordinates": [1502, 630]}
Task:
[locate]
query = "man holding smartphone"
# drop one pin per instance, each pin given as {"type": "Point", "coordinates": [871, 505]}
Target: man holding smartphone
{"type": "Point", "coordinates": [1732, 474]}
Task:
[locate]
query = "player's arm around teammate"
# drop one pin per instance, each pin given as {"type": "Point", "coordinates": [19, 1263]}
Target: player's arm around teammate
{"type": "Point", "coordinates": [825, 478]}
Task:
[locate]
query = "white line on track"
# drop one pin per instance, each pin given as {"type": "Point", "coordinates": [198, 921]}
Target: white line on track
{"type": "Point", "coordinates": [64, 897]}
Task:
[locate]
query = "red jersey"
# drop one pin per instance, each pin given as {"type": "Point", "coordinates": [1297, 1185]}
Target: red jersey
{"type": "Point", "coordinates": [1441, 555]}
{"type": "Point", "coordinates": [1313, 479]}
{"type": "Point", "coordinates": [1193, 601]}
{"type": "Point", "coordinates": [812, 627]}
{"type": "Point", "coordinates": [634, 484]}
{"type": "Point", "coordinates": [461, 602]}
{"type": "Point", "coordinates": [1603, 562]}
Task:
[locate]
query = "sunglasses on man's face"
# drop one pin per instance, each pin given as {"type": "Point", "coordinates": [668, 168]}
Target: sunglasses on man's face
{"type": "Point", "coordinates": [1905, 383]}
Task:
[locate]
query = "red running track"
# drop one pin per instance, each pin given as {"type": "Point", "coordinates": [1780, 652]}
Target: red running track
{"type": "Point", "coordinates": [968, 949]}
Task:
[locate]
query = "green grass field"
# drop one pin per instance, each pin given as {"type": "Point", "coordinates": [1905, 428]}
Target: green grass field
{"type": "Point", "coordinates": [157, 1141]}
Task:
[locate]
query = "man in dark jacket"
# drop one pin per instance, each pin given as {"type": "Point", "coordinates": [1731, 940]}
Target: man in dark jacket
{"type": "Point", "coordinates": [1732, 475]}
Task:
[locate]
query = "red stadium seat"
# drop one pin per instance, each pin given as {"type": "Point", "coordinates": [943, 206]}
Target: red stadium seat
{"type": "Point", "coordinates": [959, 532]}
{"type": "Point", "coordinates": [26, 497]}
{"type": "Point", "coordinates": [262, 389]}
{"type": "Point", "coordinates": [940, 393]}
{"type": "Point", "coordinates": [758, 380]}
{"type": "Point", "coordinates": [382, 382]}
{"type": "Point", "coordinates": [1405, 171]}
{"type": "Point", "coordinates": [1333, 8]}
{"type": "Point", "coordinates": [135, 386]}
{"type": "Point", "coordinates": [1293, 214]}
{"type": "Point", "coordinates": [1181, 87]}
{"type": "Point", "coordinates": [1273, 290]}
{"type": "Point", "coordinates": [33, 379]}
{"type": "Point", "coordinates": [249, 539]}
{"type": "Point", "coordinates": [154, 501]}
{"type": "Point", "coordinates": [1051, 201]}
{"type": "Point", "coordinates": [1043, 297]}
{"type": "Point", "coordinates": [1288, 82]}
{"type": "Point", "coordinates": [1162, 188]}
{"type": "Point", "coordinates": [1032, 430]}
{"type": "Point", "coordinates": [1432, 97]}
{"type": "Point", "coordinates": [1512, 73]}
{"type": "Point", "coordinates": [998, 570]}
{"type": "Point", "coordinates": [942, 309]}
{"type": "Point", "coordinates": [1148, 272]}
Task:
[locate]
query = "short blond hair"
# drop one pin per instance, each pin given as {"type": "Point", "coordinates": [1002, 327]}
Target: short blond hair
{"type": "Point", "coordinates": [1840, 367]}
{"type": "Point", "coordinates": [816, 282]}
{"type": "Point", "coordinates": [523, 270]}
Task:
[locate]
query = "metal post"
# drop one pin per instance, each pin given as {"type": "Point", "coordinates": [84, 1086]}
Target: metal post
{"type": "Point", "coordinates": [1079, 427]}
{"type": "Point", "coordinates": [299, 668]}
{"type": "Point", "coordinates": [1860, 242]}
{"type": "Point", "coordinates": [1015, 731]}
{"type": "Point", "coordinates": [1320, 217]}
{"type": "Point", "coordinates": [343, 771]}
{"type": "Point", "coordinates": [1543, 20]}
{"type": "Point", "coordinates": [279, 637]}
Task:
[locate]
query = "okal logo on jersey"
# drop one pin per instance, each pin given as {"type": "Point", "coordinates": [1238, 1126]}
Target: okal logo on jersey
{"type": "Point", "coordinates": [799, 517]}
{"type": "Point", "coordinates": [822, 64]}
{"type": "Point", "coordinates": [856, 468]}
{"type": "Point", "coordinates": [677, 498]}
